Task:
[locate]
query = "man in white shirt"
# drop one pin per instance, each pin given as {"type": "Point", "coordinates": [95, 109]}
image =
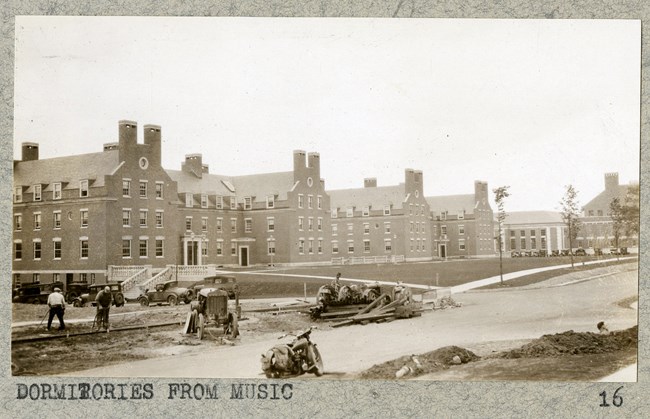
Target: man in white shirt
{"type": "Point", "coordinates": [56, 302]}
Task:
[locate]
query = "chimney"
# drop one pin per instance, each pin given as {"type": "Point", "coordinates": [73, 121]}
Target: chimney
{"type": "Point", "coordinates": [480, 190]}
{"type": "Point", "coordinates": [409, 180]}
{"type": "Point", "coordinates": [128, 138]}
{"type": "Point", "coordinates": [298, 160]}
{"type": "Point", "coordinates": [313, 161]}
{"type": "Point", "coordinates": [111, 146]}
{"type": "Point", "coordinates": [193, 164]}
{"type": "Point", "coordinates": [30, 151]}
{"type": "Point", "coordinates": [611, 181]}
{"type": "Point", "coordinates": [370, 182]}
{"type": "Point", "coordinates": [419, 183]}
{"type": "Point", "coordinates": [152, 139]}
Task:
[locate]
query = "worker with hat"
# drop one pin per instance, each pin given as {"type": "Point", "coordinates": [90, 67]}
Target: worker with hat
{"type": "Point", "coordinates": [56, 302]}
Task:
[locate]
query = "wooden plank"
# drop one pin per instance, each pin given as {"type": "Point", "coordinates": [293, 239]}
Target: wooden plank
{"type": "Point", "coordinates": [343, 323]}
{"type": "Point", "coordinates": [374, 304]}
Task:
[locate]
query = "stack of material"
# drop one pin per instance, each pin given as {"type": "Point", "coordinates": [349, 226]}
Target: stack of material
{"type": "Point", "coordinates": [376, 311]}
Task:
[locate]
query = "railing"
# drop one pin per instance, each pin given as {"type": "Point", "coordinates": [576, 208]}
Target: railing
{"type": "Point", "coordinates": [192, 272]}
{"type": "Point", "coordinates": [118, 273]}
{"type": "Point", "coordinates": [161, 277]}
{"type": "Point", "coordinates": [360, 260]}
{"type": "Point", "coordinates": [136, 279]}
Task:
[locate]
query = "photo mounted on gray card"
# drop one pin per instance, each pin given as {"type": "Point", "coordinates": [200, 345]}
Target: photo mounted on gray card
{"type": "Point", "coordinates": [326, 199]}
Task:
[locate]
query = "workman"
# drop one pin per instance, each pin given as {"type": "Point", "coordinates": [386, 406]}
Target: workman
{"type": "Point", "coordinates": [104, 301]}
{"type": "Point", "coordinates": [56, 302]}
{"type": "Point", "coordinates": [337, 283]}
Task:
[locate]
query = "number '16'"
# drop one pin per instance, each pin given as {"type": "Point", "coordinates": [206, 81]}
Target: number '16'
{"type": "Point", "coordinates": [616, 399]}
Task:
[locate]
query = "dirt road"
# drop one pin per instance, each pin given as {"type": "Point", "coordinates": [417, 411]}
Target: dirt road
{"type": "Point", "coordinates": [486, 316]}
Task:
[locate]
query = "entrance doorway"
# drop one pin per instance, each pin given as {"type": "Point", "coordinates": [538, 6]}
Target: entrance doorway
{"type": "Point", "coordinates": [442, 250]}
{"type": "Point", "coordinates": [192, 252]}
{"type": "Point", "coordinates": [69, 278]}
{"type": "Point", "coordinates": [243, 255]}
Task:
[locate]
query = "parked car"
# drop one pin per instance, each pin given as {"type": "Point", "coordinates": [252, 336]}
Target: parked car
{"type": "Point", "coordinates": [93, 290]}
{"type": "Point", "coordinates": [515, 254]}
{"type": "Point", "coordinates": [222, 282]}
{"type": "Point", "coordinates": [598, 251]}
{"type": "Point", "coordinates": [35, 293]}
{"type": "Point", "coordinates": [580, 252]}
{"type": "Point", "coordinates": [74, 290]}
{"type": "Point", "coordinates": [168, 292]}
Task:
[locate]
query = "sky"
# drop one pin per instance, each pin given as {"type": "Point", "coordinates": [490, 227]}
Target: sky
{"type": "Point", "coordinates": [531, 104]}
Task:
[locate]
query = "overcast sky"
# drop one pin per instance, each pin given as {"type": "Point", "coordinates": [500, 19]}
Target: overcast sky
{"type": "Point", "coordinates": [534, 104]}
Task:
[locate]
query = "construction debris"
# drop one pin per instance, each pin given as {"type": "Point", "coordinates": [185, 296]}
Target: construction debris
{"type": "Point", "coordinates": [377, 311]}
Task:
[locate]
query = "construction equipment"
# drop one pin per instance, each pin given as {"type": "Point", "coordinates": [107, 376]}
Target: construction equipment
{"type": "Point", "coordinates": [212, 309]}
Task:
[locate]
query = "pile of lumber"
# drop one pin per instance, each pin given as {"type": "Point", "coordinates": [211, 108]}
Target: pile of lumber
{"type": "Point", "coordinates": [376, 311]}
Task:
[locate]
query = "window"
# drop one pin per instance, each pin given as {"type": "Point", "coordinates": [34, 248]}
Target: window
{"type": "Point", "coordinates": [18, 250]}
{"type": "Point", "coordinates": [513, 243]}
{"type": "Point", "coordinates": [386, 209]}
{"type": "Point", "coordinates": [126, 218]}
{"type": "Point", "coordinates": [335, 229]}
{"type": "Point", "coordinates": [38, 189]}
{"type": "Point", "coordinates": [56, 219]}
{"type": "Point", "coordinates": [319, 202]}
{"type": "Point", "coordinates": [600, 213]}
{"type": "Point", "coordinates": [83, 246]}
{"type": "Point", "coordinates": [350, 229]}
{"type": "Point", "coordinates": [443, 230]}
{"type": "Point", "coordinates": [126, 187]}
{"type": "Point", "coordinates": [411, 226]}
{"type": "Point", "coordinates": [233, 225]}
{"type": "Point", "coordinates": [188, 223]}
{"type": "Point", "coordinates": [542, 233]}
{"type": "Point", "coordinates": [311, 246]}
{"type": "Point", "coordinates": [349, 212]}
{"type": "Point", "coordinates": [461, 215]}
{"type": "Point", "coordinates": [189, 200]}
{"type": "Point", "coordinates": [533, 243]}
{"type": "Point", "coordinates": [411, 209]}
{"type": "Point", "coordinates": [334, 213]}
{"type": "Point", "coordinates": [412, 245]}
{"type": "Point", "coordinates": [56, 190]}
{"type": "Point", "coordinates": [270, 224]}
{"type": "Point", "coordinates": [83, 277]}
{"type": "Point", "coordinates": [143, 188]}
{"type": "Point", "coordinates": [204, 249]}
{"type": "Point", "coordinates": [422, 228]}
{"type": "Point", "coordinates": [219, 248]}
{"type": "Point", "coordinates": [248, 203]}
{"type": "Point", "coordinates": [233, 249]}
{"type": "Point", "coordinates": [270, 202]}
{"type": "Point", "coordinates": [18, 222]}
{"type": "Point", "coordinates": [204, 224]}
{"type": "Point", "coordinates": [37, 249]}
{"type": "Point", "coordinates": [523, 243]}
{"type": "Point", "coordinates": [143, 248]}
{"type": "Point", "coordinates": [83, 215]}
{"type": "Point", "coordinates": [461, 244]}
{"type": "Point", "coordinates": [366, 228]}
{"type": "Point", "coordinates": [219, 225]}
{"type": "Point", "coordinates": [310, 223]}
{"type": "Point", "coordinates": [320, 246]}
{"type": "Point", "coordinates": [424, 244]}
{"type": "Point", "coordinates": [219, 202]}
{"type": "Point", "coordinates": [204, 200]}
{"type": "Point", "coordinates": [301, 246]}
{"type": "Point", "coordinates": [319, 224]}
{"type": "Point", "coordinates": [57, 248]}
{"type": "Point", "coordinates": [350, 246]}
{"type": "Point", "coordinates": [18, 194]}
{"type": "Point", "coordinates": [335, 247]}
{"type": "Point", "coordinates": [301, 223]}
{"type": "Point", "coordinates": [310, 201]}
{"type": "Point", "coordinates": [591, 213]}
{"type": "Point", "coordinates": [366, 246]}
{"type": "Point", "coordinates": [83, 188]}
{"type": "Point", "coordinates": [36, 277]}
{"type": "Point", "coordinates": [388, 247]}
{"type": "Point", "coordinates": [543, 243]}
{"type": "Point", "coordinates": [365, 212]}
{"type": "Point", "coordinates": [387, 228]}
{"type": "Point", "coordinates": [143, 217]}
{"type": "Point", "coordinates": [522, 233]}
{"type": "Point", "coordinates": [301, 200]}
{"type": "Point", "coordinates": [461, 229]}
{"type": "Point", "coordinates": [271, 246]}
{"type": "Point", "coordinates": [37, 221]}
{"type": "Point", "coordinates": [160, 219]}
{"type": "Point", "coordinates": [512, 233]}
{"type": "Point", "coordinates": [248, 225]}
{"type": "Point", "coordinates": [233, 203]}
{"type": "Point", "coordinates": [443, 215]}
{"type": "Point", "coordinates": [532, 233]}
{"type": "Point", "coordinates": [159, 190]}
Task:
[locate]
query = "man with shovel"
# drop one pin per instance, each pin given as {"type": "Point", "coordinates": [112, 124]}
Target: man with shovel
{"type": "Point", "coordinates": [56, 302]}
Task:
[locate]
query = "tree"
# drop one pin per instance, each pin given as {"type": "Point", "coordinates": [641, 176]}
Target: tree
{"type": "Point", "coordinates": [570, 215]}
{"type": "Point", "coordinates": [618, 222]}
{"type": "Point", "coordinates": [500, 194]}
{"type": "Point", "coordinates": [630, 211]}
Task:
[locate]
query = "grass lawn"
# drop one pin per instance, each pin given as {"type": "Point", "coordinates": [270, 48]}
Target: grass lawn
{"type": "Point", "coordinates": [443, 274]}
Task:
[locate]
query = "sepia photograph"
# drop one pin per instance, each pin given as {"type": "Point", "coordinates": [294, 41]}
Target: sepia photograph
{"type": "Point", "coordinates": [287, 199]}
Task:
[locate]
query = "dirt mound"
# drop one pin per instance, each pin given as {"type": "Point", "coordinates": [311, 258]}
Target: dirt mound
{"type": "Point", "coordinates": [573, 343]}
{"type": "Point", "coordinates": [415, 365]}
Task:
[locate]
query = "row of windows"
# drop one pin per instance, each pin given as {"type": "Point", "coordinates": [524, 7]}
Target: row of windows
{"type": "Point", "coordinates": [142, 249]}
{"type": "Point", "coordinates": [365, 211]}
{"type": "Point", "coordinates": [56, 219]}
{"type": "Point", "coordinates": [143, 218]}
{"type": "Point", "coordinates": [533, 232]}
{"type": "Point", "coordinates": [533, 243]}
{"type": "Point", "coordinates": [57, 187]}
{"type": "Point", "coordinates": [310, 201]}
{"type": "Point", "coordinates": [232, 201]}
{"type": "Point", "coordinates": [143, 187]}
{"type": "Point", "coordinates": [310, 223]}
{"type": "Point", "coordinates": [248, 224]}
{"type": "Point", "coordinates": [388, 247]}
{"type": "Point", "coordinates": [56, 277]}
{"type": "Point", "coordinates": [366, 228]}
{"type": "Point", "coordinates": [310, 246]}
{"type": "Point", "coordinates": [444, 215]}
{"type": "Point", "coordinates": [57, 249]}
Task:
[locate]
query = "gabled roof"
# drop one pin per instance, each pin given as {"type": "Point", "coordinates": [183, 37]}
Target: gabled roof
{"type": "Point", "coordinates": [603, 199]}
{"type": "Point", "coordinates": [257, 186]}
{"type": "Point", "coordinates": [453, 204]}
{"type": "Point", "coordinates": [72, 169]}
{"type": "Point", "coordinates": [374, 197]}
{"type": "Point", "coordinates": [533, 217]}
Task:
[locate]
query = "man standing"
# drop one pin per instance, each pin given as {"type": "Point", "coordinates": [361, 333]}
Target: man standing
{"type": "Point", "coordinates": [104, 300]}
{"type": "Point", "coordinates": [56, 302]}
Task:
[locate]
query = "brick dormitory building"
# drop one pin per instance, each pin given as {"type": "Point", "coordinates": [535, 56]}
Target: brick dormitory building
{"type": "Point", "coordinates": [105, 216]}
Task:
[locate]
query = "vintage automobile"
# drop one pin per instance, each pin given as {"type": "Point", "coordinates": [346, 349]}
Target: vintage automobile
{"type": "Point", "coordinates": [168, 292]}
{"type": "Point", "coordinates": [222, 282]}
{"type": "Point", "coordinates": [93, 290]}
{"type": "Point", "coordinates": [580, 252]}
{"type": "Point", "coordinates": [74, 290]}
{"type": "Point", "coordinates": [35, 293]}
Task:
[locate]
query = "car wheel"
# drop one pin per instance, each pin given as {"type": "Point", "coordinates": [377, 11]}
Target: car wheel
{"type": "Point", "coordinates": [318, 362]}
{"type": "Point", "coordinates": [233, 326]}
{"type": "Point", "coordinates": [144, 302]}
{"type": "Point", "coordinates": [34, 301]}
{"type": "Point", "coordinates": [119, 299]}
{"type": "Point", "coordinates": [172, 300]}
{"type": "Point", "coordinates": [200, 327]}
{"type": "Point", "coordinates": [76, 303]}
{"type": "Point", "coordinates": [72, 296]}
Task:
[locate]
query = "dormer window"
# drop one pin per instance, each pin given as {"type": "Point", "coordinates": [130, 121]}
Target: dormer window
{"type": "Point", "coordinates": [38, 189]}
{"type": "Point", "coordinates": [189, 200]}
{"type": "Point", "coordinates": [83, 188]}
{"type": "Point", "coordinates": [18, 194]}
{"type": "Point", "coordinates": [248, 203]}
{"type": "Point", "coordinates": [219, 202]}
{"type": "Point", "coordinates": [335, 212]}
{"type": "Point", "coordinates": [386, 209]}
{"type": "Point", "coordinates": [366, 211]}
{"type": "Point", "coordinates": [270, 201]}
{"type": "Point", "coordinates": [204, 200]}
{"type": "Point", "coordinates": [233, 203]}
{"type": "Point", "coordinates": [461, 215]}
{"type": "Point", "coordinates": [349, 212]}
{"type": "Point", "coordinates": [56, 190]}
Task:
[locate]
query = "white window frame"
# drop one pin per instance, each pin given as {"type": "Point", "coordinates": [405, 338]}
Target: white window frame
{"type": "Point", "coordinates": [189, 200]}
{"type": "Point", "coordinates": [233, 202]}
{"type": "Point", "coordinates": [248, 203]}
{"type": "Point", "coordinates": [349, 212]}
{"type": "Point", "coordinates": [233, 225]}
{"type": "Point", "coordinates": [18, 194]}
{"type": "Point", "coordinates": [160, 218]}
{"type": "Point", "coordinates": [335, 247]}
{"type": "Point", "coordinates": [248, 225]}
{"type": "Point", "coordinates": [270, 201]}
{"type": "Point", "coordinates": [319, 224]}
{"type": "Point", "coordinates": [81, 217]}
{"type": "Point", "coordinates": [301, 199]}
{"type": "Point", "coordinates": [319, 201]}
{"type": "Point", "coordinates": [366, 228]}
{"type": "Point", "coordinates": [310, 201]}
{"type": "Point", "coordinates": [219, 202]}
{"type": "Point", "coordinates": [38, 192]}
{"type": "Point", "coordinates": [56, 191]}
{"type": "Point", "coordinates": [270, 247]}
{"type": "Point", "coordinates": [334, 213]}
{"type": "Point", "coordinates": [38, 220]}
{"type": "Point", "coordinates": [188, 218]}
{"type": "Point", "coordinates": [84, 188]}
{"type": "Point", "coordinates": [204, 224]}
{"type": "Point", "coordinates": [54, 249]}
{"type": "Point", "coordinates": [160, 190]}
{"type": "Point", "coordinates": [461, 229]}
{"type": "Point", "coordinates": [387, 227]}
{"type": "Point", "coordinates": [310, 223]}
{"type": "Point", "coordinates": [219, 225]}
{"type": "Point", "coordinates": [388, 245]}
{"type": "Point", "coordinates": [18, 221]}
{"type": "Point", "coordinates": [301, 223]}
{"type": "Point", "coordinates": [366, 246]}
{"type": "Point", "coordinates": [143, 185]}
{"type": "Point", "coordinates": [128, 212]}
{"type": "Point", "coordinates": [144, 212]}
{"type": "Point", "coordinates": [350, 246]}
{"type": "Point", "coordinates": [146, 247]}
{"type": "Point", "coordinates": [126, 186]}
{"type": "Point", "coordinates": [54, 219]}
{"type": "Point", "coordinates": [386, 209]}
{"type": "Point", "coordinates": [204, 200]}
{"type": "Point", "coordinates": [270, 224]}
{"type": "Point", "coordinates": [18, 243]}
{"type": "Point", "coordinates": [37, 243]}
{"type": "Point", "coordinates": [83, 240]}
{"type": "Point", "coordinates": [365, 212]}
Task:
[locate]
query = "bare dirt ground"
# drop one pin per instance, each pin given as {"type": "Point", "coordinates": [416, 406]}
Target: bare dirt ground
{"type": "Point", "coordinates": [489, 322]}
